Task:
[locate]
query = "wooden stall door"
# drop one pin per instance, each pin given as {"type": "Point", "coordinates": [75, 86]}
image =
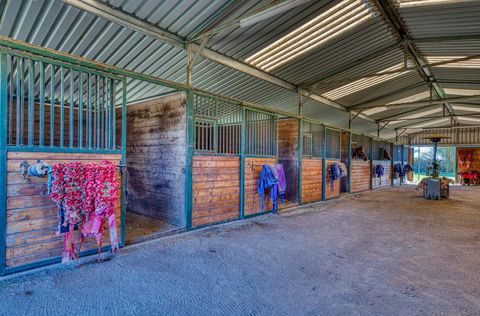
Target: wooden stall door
{"type": "Point", "coordinates": [32, 217]}
{"type": "Point", "coordinates": [311, 180]}
{"type": "Point", "coordinates": [360, 175]}
{"type": "Point", "coordinates": [253, 168]}
{"type": "Point", "coordinates": [332, 190]}
{"type": "Point", "coordinates": [386, 179]}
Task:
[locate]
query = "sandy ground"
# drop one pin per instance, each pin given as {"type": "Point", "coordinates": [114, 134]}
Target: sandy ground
{"type": "Point", "coordinates": [384, 253]}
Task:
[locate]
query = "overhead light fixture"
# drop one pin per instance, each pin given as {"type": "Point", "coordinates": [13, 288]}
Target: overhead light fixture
{"type": "Point", "coordinates": [364, 83]}
{"type": "Point", "coordinates": [330, 24]}
{"type": "Point", "coordinates": [470, 63]}
{"type": "Point", "coordinates": [421, 3]}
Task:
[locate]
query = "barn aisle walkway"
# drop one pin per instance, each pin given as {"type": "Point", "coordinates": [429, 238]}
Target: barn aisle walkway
{"type": "Point", "coordinates": [390, 253]}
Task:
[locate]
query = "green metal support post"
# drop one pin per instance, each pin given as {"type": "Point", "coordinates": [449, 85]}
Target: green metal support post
{"type": "Point", "coordinates": [189, 160]}
{"type": "Point", "coordinates": [242, 164]}
{"type": "Point", "coordinates": [349, 161]}
{"type": "Point", "coordinates": [3, 160]}
{"type": "Point", "coordinates": [123, 162]}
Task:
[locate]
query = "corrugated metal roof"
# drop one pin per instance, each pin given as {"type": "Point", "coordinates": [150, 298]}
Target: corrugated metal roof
{"type": "Point", "coordinates": [443, 29]}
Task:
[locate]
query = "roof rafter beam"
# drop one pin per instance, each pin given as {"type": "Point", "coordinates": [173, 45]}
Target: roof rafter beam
{"type": "Point", "coordinates": [124, 19]}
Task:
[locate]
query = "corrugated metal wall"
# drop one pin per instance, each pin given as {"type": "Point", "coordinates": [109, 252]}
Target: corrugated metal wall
{"type": "Point", "coordinates": [457, 136]}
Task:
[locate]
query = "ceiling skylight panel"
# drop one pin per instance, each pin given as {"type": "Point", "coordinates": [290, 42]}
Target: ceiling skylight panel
{"type": "Point", "coordinates": [430, 123]}
{"type": "Point", "coordinates": [331, 23]}
{"type": "Point", "coordinates": [363, 83]}
{"type": "Point", "coordinates": [473, 108]}
{"type": "Point", "coordinates": [424, 113]}
{"type": "Point", "coordinates": [413, 98]}
{"type": "Point", "coordinates": [469, 119]}
{"type": "Point", "coordinates": [375, 110]}
{"type": "Point", "coordinates": [462, 92]}
{"type": "Point", "coordinates": [470, 63]}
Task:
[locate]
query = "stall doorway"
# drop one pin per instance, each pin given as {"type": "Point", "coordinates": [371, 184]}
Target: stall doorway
{"type": "Point", "coordinates": [155, 158]}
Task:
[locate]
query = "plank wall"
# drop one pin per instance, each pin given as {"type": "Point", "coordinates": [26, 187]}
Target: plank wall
{"type": "Point", "coordinates": [31, 215]}
{"type": "Point", "coordinates": [216, 189]}
{"type": "Point", "coordinates": [386, 179]}
{"type": "Point", "coordinates": [311, 180]}
{"type": "Point", "coordinates": [156, 158]}
{"type": "Point", "coordinates": [253, 168]}
{"type": "Point", "coordinates": [360, 175]}
{"type": "Point", "coordinates": [288, 156]}
{"type": "Point", "coordinates": [331, 190]}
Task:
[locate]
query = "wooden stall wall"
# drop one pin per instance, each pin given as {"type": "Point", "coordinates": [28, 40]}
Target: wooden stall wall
{"type": "Point", "coordinates": [216, 189]}
{"type": "Point", "coordinates": [156, 157]}
{"type": "Point", "coordinates": [332, 190]}
{"type": "Point", "coordinates": [386, 179]}
{"type": "Point", "coordinates": [311, 180]}
{"type": "Point", "coordinates": [288, 156]}
{"type": "Point", "coordinates": [253, 168]}
{"type": "Point", "coordinates": [360, 175]}
{"type": "Point", "coordinates": [32, 217]}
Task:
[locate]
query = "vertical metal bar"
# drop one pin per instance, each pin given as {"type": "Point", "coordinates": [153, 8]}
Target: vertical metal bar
{"type": "Point", "coordinates": [3, 160]}
{"type": "Point", "coordinates": [41, 129]}
{"type": "Point", "coordinates": [71, 111]}
{"type": "Point", "coordinates": [31, 104]}
{"type": "Point", "coordinates": [107, 113]}
{"type": "Point", "coordinates": [242, 163]}
{"type": "Point", "coordinates": [21, 102]}
{"type": "Point", "coordinates": [10, 99]}
{"type": "Point", "coordinates": [324, 165]}
{"type": "Point", "coordinates": [80, 110]}
{"type": "Point", "coordinates": [188, 160]}
{"type": "Point", "coordinates": [123, 162]}
{"type": "Point", "coordinates": [62, 106]}
{"type": "Point", "coordinates": [103, 116]}
{"type": "Point", "coordinates": [52, 105]}
{"type": "Point", "coordinates": [114, 116]}
{"type": "Point", "coordinates": [89, 111]}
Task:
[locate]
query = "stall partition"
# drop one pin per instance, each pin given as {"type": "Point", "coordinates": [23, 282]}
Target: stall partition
{"type": "Point", "coordinates": [313, 137]}
{"type": "Point", "coordinates": [53, 111]}
{"type": "Point", "coordinates": [381, 164]}
{"type": "Point", "coordinates": [332, 157]}
{"type": "Point", "coordinates": [360, 164]}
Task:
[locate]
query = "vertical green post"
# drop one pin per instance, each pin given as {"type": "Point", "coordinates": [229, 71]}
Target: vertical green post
{"type": "Point", "coordinates": [41, 140]}
{"type": "Point", "coordinates": [3, 160]}
{"type": "Point", "coordinates": [299, 159]}
{"type": "Point", "coordinates": [242, 164]}
{"type": "Point", "coordinates": [189, 159]}
{"type": "Point", "coordinates": [123, 162]}
{"type": "Point", "coordinates": [324, 164]}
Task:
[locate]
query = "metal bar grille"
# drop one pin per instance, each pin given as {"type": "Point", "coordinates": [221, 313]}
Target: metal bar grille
{"type": "Point", "coordinates": [53, 103]}
{"type": "Point", "coordinates": [333, 150]}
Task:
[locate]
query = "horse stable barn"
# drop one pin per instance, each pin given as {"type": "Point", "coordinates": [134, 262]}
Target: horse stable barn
{"type": "Point", "coordinates": [124, 121]}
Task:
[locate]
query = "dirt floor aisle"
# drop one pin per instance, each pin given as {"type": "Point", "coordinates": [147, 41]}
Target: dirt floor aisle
{"type": "Point", "coordinates": [383, 253]}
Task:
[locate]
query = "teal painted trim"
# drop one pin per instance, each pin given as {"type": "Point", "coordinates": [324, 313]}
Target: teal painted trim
{"type": "Point", "coordinates": [324, 165]}
{"type": "Point", "coordinates": [299, 161]}
{"type": "Point", "coordinates": [242, 164]}
{"type": "Point", "coordinates": [3, 160]}
{"type": "Point", "coordinates": [214, 223]}
{"type": "Point", "coordinates": [50, 261]}
{"type": "Point", "coordinates": [123, 200]}
{"type": "Point", "coordinates": [41, 128]}
{"type": "Point", "coordinates": [70, 65]}
{"type": "Point", "coordinates": [31, 104]}
{"type": "Point", "coordinates": [63, 150]}
{"type": "Point", "coordinates": [190, 103]}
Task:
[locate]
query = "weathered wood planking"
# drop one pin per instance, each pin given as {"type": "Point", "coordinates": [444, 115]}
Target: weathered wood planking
{"type": "Point", "coordinates": [253, 168]}
{"type": "Point", "coordinates": [288, 155]}
{"type": "Point", "coordinates": [216, 189]}
{"type": "Point", "coordinates": [311, 180]}
{"type": "Point", "coordinates": [360, 175]}
{"type": "Point", "coordinates": [386, 179]}
{"type": "Point", "coordinates": [156, 158]}
{"type": "Point", "coordinates": [332, 190]}
{"type": "Point", "coordinates": [31, 215]}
